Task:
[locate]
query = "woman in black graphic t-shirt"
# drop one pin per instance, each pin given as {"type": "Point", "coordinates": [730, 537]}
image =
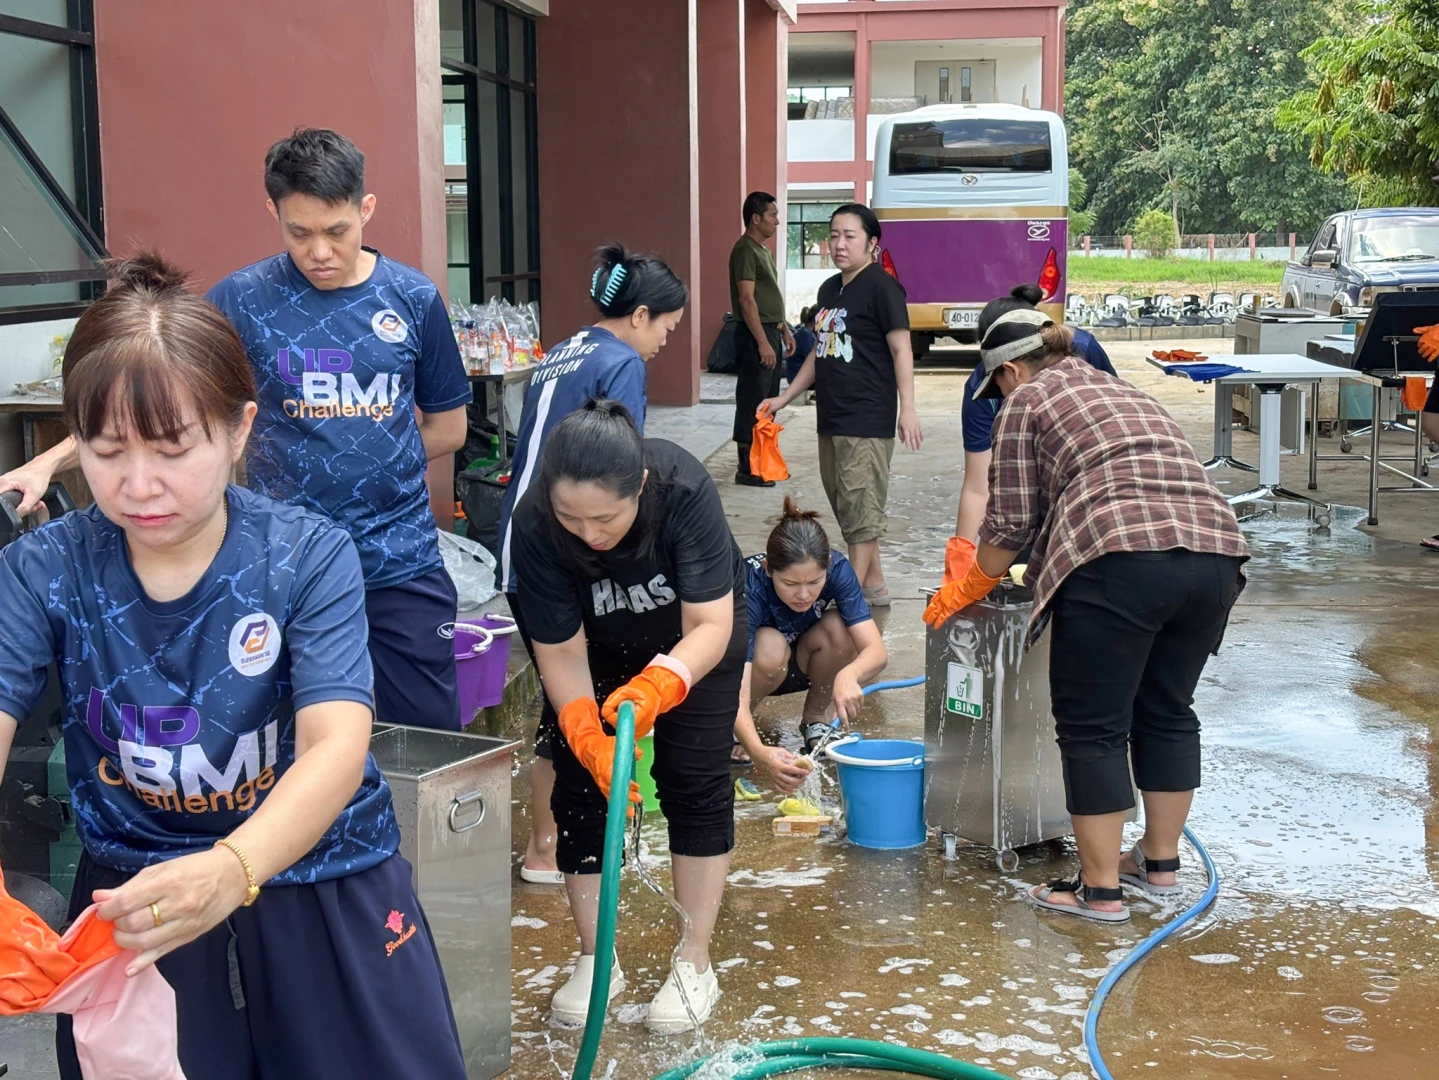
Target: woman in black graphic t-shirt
{"type": "Point", "coordinates": [632, 588]}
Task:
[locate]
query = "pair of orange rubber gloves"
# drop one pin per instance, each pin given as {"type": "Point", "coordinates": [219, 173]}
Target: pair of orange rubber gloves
{"type": "Point", "coordinates": [661, 686]}
{"type": "Point", "coordinates": [124, 1027]}
{"type": "Point", "coordinates": [964, 582]}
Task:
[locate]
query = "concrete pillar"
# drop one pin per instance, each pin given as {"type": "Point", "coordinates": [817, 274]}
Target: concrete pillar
{"type": "Point", "coordinates": [722, 148]}
{"type": "Point", "coordinates": [862, 95]}
{"type": "Point", "coordinates": [766, 80]}
{"type": "Point", "coordinates": [619, 160]}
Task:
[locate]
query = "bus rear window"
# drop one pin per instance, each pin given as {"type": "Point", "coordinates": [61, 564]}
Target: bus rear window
{"type": "Point", "coordinates": [965, 145]}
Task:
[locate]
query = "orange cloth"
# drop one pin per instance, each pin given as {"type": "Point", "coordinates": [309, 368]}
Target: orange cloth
{"type": "Point", "coordinates": [124, 1028]}
{"type": "Point", "coordinates": [765, 460]}
{"type": "Point", "coordinates": [1428, 342]}
{"type": "Point", "coordinates": [653, 691]}
{"type": "Point", "coordinates": [958, 595]}
{"type": "Point", "coordinates": [1415, 394]}
{"type": "Point", "coordinates": [580, 724]}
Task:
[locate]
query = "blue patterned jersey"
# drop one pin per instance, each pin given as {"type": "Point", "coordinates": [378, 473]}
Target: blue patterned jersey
{"type": "Point", "coordinates": [340, 373]}
{"type": "Point", "coordinates": [841, 588]}
{"type": "Point", "coordinates": [179, 717]}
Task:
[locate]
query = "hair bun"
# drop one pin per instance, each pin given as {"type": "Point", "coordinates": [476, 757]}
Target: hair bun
{"type": "Point", "coordinates": [1030, 293]}
{"type": "Point", "coordinates": [146, 270]}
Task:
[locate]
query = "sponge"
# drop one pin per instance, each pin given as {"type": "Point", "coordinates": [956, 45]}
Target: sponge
{"type": "Point", "coordinates": [795, 806]}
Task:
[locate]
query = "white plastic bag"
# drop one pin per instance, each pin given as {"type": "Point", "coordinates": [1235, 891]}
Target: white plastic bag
{"type": "Point", "coordinates": [471, 567]}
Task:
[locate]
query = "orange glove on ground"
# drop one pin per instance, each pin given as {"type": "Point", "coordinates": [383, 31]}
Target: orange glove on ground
{"type": "Point", "coordinates": [1428, 342]}
{"type": "Point", "coordinates": [958, 558]}
{"type": "Point", "coordinates": [958, 595]}
{"type": "Point", "coordinates": [580, 725]}
{"type": "Point", "coordinates": [661, 686]}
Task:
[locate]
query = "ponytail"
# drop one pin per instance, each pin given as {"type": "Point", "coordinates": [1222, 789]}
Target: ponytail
{"type": "Point", "coordinates": [798, 538]}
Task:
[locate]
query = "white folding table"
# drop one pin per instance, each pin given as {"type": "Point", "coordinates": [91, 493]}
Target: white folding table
{"type": "Point", "coordinates": [1269, 373]}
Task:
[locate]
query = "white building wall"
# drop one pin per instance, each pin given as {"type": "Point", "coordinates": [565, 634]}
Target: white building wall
{"type": "Point", "coordinates": [1018, 66]}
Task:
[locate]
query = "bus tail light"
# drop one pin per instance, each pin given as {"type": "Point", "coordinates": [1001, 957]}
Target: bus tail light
{"type": "Point", "coordinates": [1049, 276]}
{"type": "Point", "coordinates": [888, 264]}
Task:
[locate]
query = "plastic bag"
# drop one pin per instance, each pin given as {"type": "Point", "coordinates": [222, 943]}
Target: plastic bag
{"type": "Point", "coordinates": [765, 460]}
{"type": "Point", "coordinates": [470, 567]}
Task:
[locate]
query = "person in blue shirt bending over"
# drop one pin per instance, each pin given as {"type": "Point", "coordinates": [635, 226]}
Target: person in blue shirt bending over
{"type": "Point", "coordinates": [346, 345]}
{"type": "Point", "coordinates": [210, 645]}
{"type": "Point", "coordinates": [640, 301]}
{"type": "Point", "coordinates": [811, 629]}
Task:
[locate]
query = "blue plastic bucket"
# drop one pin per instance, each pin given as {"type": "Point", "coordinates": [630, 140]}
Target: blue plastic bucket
{"type": "Point", "coordinates": [882, 782]}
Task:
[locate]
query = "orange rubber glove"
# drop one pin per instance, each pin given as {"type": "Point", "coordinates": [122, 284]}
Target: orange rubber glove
{"type": "Point", "coordinates": [958, 595]}
{"type": "Point", "coordinates": [1428, 342]}
{"type": "Point", "coordinates": [959, 556]}
{"type": "Point", "coordinates": [580, 725]}
{"type": "Point", "coordinates": [661, 686]}
{"type": "Point", "coordinates": [34, 962]}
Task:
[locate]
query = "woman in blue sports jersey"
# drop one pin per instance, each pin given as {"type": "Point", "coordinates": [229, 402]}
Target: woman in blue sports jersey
{"type": "Point", "coordinates": [810, 628]}
{"type": "Point", "coordinates": [212, 655]}
{"type": "Point", "coordinates": [640, 301]}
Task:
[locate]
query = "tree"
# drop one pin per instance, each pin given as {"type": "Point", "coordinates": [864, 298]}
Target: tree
{"type": "Point", "coordinates": [1155, 234]}
{"type": "Point", "coordinates": [1081, 222]}
{"type": "Point", "coordinates": [1210, 74]}
{"type": "Point", "coordinates": [1374, 114]}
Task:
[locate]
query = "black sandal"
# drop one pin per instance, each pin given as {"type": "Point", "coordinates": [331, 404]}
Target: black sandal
{"type": "Point", "coordinates": [1082, 895]}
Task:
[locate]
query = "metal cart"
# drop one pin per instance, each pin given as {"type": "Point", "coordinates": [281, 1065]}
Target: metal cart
{"type": "Point", "coordinates": [993, 769]}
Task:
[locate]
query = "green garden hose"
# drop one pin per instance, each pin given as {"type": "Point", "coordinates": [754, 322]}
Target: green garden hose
{"type": "Point", "coordinates": [775, 1058]}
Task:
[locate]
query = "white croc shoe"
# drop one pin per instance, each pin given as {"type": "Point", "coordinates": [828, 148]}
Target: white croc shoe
{"type": "Point", "coordinates": [668, 1015]}
{"type": "Point", "coordinates": [571, 1003]}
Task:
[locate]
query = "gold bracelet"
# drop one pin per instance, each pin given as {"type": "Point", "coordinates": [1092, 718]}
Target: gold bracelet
{"type": "Point", "coordinates": [252, 890]}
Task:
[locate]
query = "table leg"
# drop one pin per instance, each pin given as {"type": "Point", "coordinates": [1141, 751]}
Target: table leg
{"type": "Point", "coordinates": [1374, 429]}
{"type": "Point", "coordinates": [1314, 440]}
{"type": "Point", "coordinates": [1224, 431]}
{"type": "Point", "coordinates": [27, 428]}
{"type": "Point", "coordinates": [500, 423]}
{"type": "Point", "coordinates": [1418, 449]}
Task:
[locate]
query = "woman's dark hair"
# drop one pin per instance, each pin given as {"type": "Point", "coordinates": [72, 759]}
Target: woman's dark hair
{"type": "Point", "coordinates": [807, 316]}
{"type": "Point", "coordinates": [599, 444]}
{"type": "Point", "coordinates": [798, 538]}
{"type": "Point", "coordinates": [1020, 297]}
{"type": "Point", "coordinates": [624, 283]}
{"type": "Point", "coordinates": [866, 218]}
{"type": "Point", "coordinates": [145, 350]}
{"type": "Point", "coordinates": [316, 162]}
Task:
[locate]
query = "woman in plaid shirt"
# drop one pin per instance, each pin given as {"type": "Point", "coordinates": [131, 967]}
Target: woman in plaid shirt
{"type": "Point", "coordinates": [1135, 563]}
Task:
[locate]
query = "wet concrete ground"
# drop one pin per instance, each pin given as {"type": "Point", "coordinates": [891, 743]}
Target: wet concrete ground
{"type": "Point", "coordinates": [1321, 957]}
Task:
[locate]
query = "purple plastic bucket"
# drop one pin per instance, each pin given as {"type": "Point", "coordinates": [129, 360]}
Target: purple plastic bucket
{"type": "Point", "coordinates": [482, 653]}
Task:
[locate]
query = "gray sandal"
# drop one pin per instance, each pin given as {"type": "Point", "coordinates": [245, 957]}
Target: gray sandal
{"type": "Point", "coordinates": [1082, 895]}
{"type": "Point", "coordinates": [1140, 879]}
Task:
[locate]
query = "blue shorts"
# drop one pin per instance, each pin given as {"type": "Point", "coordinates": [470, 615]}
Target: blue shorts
{"type": "Point", "coordinates": [310, 983]}
{"type": "Point", "coordinates": [413, 651]}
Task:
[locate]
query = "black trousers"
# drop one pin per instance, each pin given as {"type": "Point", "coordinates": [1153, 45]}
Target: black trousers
{"type": "Point", "coordinates": [756, 382]}
{"type": "Point", "coordinates": [1131, 633]}
{"type": "Point", "coordinates": [691, 768]}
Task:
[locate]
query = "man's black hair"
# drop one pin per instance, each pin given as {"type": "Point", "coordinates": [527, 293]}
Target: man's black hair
{"type": "Point", "coordinates": [755, 205]}
{"type": "Point", "coordinates": [316, 162]}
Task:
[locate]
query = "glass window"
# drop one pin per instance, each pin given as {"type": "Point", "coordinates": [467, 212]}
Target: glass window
{"type": "Point", "coordinates": [43, 11]}
{"type": "Point", "coordinates": [808, 234]}
{"type": "Point", "coordinates": [966, 85]}
{"type": "Point", "coordinates": [977, 145]}
{"type": "Point", "coordinates": [1392, 238]}
{"type": "Point", "coordinates": [452, 30]}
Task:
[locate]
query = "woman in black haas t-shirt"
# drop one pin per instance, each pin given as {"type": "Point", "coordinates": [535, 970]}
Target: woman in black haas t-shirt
{"type": "Point", "coordinates": [632, 588]}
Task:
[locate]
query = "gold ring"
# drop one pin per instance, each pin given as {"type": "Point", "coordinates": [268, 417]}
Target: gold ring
{"type": "Point", "coordinates": [155, 914]}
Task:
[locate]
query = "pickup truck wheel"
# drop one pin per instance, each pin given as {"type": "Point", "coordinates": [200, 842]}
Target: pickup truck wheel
{"type": "Point", "coordinates": [1291, 301]}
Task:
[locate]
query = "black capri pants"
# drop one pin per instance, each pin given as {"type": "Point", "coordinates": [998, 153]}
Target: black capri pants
{"type": "Point", "coordinates": [691, 768]}
{"type": "Point", "coordinates": [1131, 634]}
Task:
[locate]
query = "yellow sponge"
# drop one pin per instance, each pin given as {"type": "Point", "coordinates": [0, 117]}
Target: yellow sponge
{"type": "Point", "coordinates": [797, 807]}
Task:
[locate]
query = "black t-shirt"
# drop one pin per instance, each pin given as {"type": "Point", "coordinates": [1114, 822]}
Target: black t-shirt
{"type": "Point", "coordinates": [629, 610]}
{"type": "Point", "coordinates": [854, 370]}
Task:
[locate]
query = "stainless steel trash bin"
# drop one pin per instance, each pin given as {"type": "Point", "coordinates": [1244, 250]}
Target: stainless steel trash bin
{"type": "Point", "coordinates": [452, 799]}
{"type": "Point", "coordinates": [993, 769]}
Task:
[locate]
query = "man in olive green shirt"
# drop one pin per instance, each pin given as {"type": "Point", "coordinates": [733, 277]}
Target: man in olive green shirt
{"type": "Point", "coordinates": [764, 336]}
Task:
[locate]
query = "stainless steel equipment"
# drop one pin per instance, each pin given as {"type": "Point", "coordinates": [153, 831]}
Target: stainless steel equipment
{"type": "Point", "coordinates": [992, 773]}
{"type": "Point", "coordinates": [452, 800]}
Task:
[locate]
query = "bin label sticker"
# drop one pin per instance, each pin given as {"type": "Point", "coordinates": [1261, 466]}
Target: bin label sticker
{"type": "Point", "coordinates": [964, 691]}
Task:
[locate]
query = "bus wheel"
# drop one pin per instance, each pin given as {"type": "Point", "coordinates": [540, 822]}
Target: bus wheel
{"type": "Point", "coordinates": [920, 343]}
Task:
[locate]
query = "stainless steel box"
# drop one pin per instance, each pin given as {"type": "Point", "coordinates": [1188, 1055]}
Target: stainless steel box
{"type": "Point", "coordinates": [993, 773]}
{"type": "Point", "coordinates": [452, 800]}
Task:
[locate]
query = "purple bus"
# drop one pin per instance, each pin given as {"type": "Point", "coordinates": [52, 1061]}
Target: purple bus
{"type": "Point", "coordinates": [974, 201]}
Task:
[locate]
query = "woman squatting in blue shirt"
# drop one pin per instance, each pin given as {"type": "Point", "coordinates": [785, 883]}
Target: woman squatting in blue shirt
{"type": "Point", "coordinates": [217, 690]}
{"type": "Point", "coordinates": [810, 629]}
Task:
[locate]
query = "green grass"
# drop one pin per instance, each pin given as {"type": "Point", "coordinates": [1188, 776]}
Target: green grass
{"type": "Point", "coordinates": [1140, 270]}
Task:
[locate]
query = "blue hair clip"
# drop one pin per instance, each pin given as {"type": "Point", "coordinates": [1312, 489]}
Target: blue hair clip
{"type": "Point", "coordinates": [595, 284]}
{"type": "Point", "coordinates": [612, 287]}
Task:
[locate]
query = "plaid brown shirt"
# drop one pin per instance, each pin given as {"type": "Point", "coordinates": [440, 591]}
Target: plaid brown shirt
{"type": "Point", "coordinates": [1084, 464]}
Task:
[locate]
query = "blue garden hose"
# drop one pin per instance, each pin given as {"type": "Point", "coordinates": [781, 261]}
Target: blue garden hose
{"type": "Point", "coordinates": [794, 1055]}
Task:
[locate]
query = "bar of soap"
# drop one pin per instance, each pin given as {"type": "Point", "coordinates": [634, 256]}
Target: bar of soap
{"type": "Point", "coordinates": [1016, 573]}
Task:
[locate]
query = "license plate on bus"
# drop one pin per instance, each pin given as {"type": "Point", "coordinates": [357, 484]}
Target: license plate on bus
{"type": "Point", "coordinates": [961, 318]}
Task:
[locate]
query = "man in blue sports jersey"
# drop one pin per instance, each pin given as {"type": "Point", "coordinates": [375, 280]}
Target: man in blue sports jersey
{"type": "Point", "coordinates": [346, 346]}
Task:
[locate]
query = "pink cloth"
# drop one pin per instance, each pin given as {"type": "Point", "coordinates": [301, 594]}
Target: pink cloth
{"type": "Point", "coordinates": [125, 1028]}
